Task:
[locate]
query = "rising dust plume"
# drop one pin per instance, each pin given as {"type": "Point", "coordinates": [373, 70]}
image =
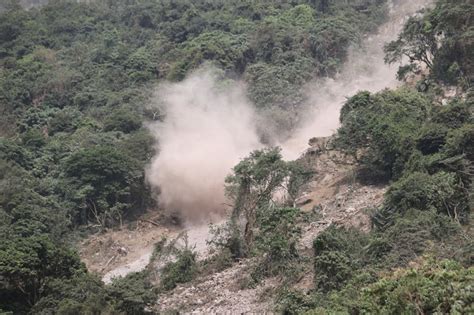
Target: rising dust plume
{"type": "Point", "coordinates": [364, 70]}
{"type": "Point", "coordinates": [208, 127]}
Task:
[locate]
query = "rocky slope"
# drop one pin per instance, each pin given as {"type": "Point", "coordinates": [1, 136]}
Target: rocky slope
{"type": "Point", "coordinates": [333, 197]}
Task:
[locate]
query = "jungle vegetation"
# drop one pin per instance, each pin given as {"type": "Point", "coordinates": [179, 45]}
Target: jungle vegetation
{"type": "Point", "coordinates": [74, 78]}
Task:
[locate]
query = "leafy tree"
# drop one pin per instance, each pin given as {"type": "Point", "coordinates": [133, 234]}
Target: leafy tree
{"type": "Point", "coordinates": [132, 294]}
{"type": "Point", "coordinates": [337, 257]}
{"type": "Point", "coordinates": [182, 270]}
{"type": "Point", "coordinates": [122, 120]}
{"type": "Point", "coordinates": [84, 293]}
{"type": "Point", "coordinates": [252, 186]}
{"type": "Point", "coordinates": [101, 177]}
{"type": "Point", "coordinates": [440, 39]}
{"type": "Point", "coordinates": [379, 130]}
{"type": "Point", "coordinates": [26, 266]}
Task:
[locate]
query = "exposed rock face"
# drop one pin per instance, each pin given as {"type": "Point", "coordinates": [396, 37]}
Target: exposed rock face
{"type": "Point", "coordinates": [219, 293]}
{"type": "Point", "coordinates": [333, 197]}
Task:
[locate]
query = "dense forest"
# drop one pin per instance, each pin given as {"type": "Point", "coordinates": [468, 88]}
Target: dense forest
{"type": "Point", "coordinates": [76, 81]}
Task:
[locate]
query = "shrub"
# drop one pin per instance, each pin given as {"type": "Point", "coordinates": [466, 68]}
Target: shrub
{"type": "Point", "coordinates": [432, 288]}
{"type": "Point", "coordinates": [66, 120]}
{"type": "Point", "coordinates": [182, 270]}
{"type": "Point", "coordinates": [132, 294]}
{"type": "Point", "coordinates": [338, 253]}
{"type": "Point", "coordinates": [378, 129]}
{"type": "Point", "coordinates": [410, 234]}
{"type": "Point", "coordinates": [431, 139]}
{"type": "Point", "coordinates": [332, 269]}
{"type": "Point", "coordinates": [276, 242]}
{"type": "Point", "coordinates": [294, 302]}
{"type": "Point", "coordinates": [123, 119]}
{"type": "Point", "coordinates": [461, 141]}
{"type": "Point", "coordinates": [453, 115]}
{"type": "Point", "coordinates": [441, 192]}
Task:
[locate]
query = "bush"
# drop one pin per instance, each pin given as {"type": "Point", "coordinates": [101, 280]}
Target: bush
{"type": "Point", "coordinates": [432, 288]}
{"type": "Point", "coordinates": [454, 115]}
{"type": "Point", "coordinates": [338, 254]}
{"type": "Point", "coordinates": [132, 294]}
{"type": "Point", "coordinates": [276, 241]}
{"type": "Point", "coordinates": [431, 139]}
{"type": "Point", "coordinates": [410, 234]}
{"type": "Point", "coordinates": [123, 119]}
{"type": "Point", "coordinates": [441, 192]}
{"type": "Point", "coordinates": [183, 270]}
{"type": "Point", "coordinates": [66, 120]}
{"type": "Point", "coordinates": [294, 302]}
{"type": "Point", "coordinates": [378, 129]}
{"type": "Point", "coordinates": [461, 141]}
{"type": "Point", "coordinates": [332, 269]}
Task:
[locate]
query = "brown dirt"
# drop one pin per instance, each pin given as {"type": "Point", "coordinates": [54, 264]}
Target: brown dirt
{"type": "Point", "coordinates": [218, 293]}
{"type": "Point", "coordinates": [333, 197]}
{"type": "Point", "coordinates": [114, 248]}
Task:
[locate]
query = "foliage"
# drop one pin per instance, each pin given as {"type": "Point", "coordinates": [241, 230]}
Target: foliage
{"type": "Point", "coordinates": [441, 39]}
{"type": "Point", "coordinates": [430, 192]}
{"type": "Point", "coordinates": [28, 265]}
{"type": "Point", "coordinates": [84, 294]}
{"type": "Point", "coordinates": [337, 256]}
{"type": "Point", "coordinates": [440, 192]}
{"type": "Point", "coordinates": [132, 294]}
{"type": "Point", "coordinates": [101, 178]}
{"type": "Point", "coordinates": [379, 129]}
{"type": "Point", "coordinates": [294, 302]}
{"type": "Point", "coordinates": [412, 234]}
{"type": "Point", "coordinates": [277, 239]}
{"type": "Point", "coordinates": [428, 286]}
{"type": "Point", "coordinates": [123, 120]}
{"type": "Point", "coordinates": [444, 287]}
{"type": "Point", "coordinates": [73, 147]}
{"type": "Point", "coordinates": [182, 270]}
{"type": "Point", "coordinates": [263, 223]}
{"type": "Point", "coordinates": [254, 186]}
{"type": "Point", "coordinates": [401, 135]}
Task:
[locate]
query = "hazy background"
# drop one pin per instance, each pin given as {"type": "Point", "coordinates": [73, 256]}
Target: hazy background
{"type": "Point", "coordinates": [209, 126]}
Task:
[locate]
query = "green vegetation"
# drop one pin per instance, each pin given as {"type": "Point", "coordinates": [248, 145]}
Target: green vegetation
{"type": "Point", "coordinates": [262, 224]}
{"type": "Point", "coordinates": [74, 78]}
{"type": "Point", "coordinates": [74, 81]}
{"type": "Point", "coordinates": [440, 40]}
{"type": "Point", "coordinates": [180, 271]}
{"type": "Point", "coordinates": [424, 151]}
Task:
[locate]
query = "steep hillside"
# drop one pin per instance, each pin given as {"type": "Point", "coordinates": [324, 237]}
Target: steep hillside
{"type": "Point", "coordinates": [302, 157]}
{"type": "Point", "coordinates": [331, 198]}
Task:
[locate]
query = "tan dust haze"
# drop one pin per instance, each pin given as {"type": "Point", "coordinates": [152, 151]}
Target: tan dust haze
{"type": "Point", "coordinates": [364, 70]}
{"type": "Point", "coordinates": [206, 130]}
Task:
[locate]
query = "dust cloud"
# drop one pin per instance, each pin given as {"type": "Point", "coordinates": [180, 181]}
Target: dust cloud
{"type": "Point", "coordinates": [364, 70]}
{"type": "Point", "coordinates": [208, 128]}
